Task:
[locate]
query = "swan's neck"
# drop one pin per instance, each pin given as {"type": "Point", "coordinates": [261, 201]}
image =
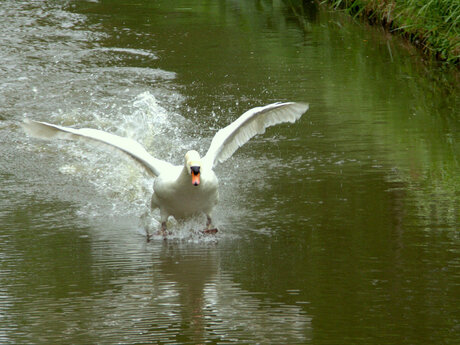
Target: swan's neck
{"type": "Point", "coordinates": [184, 177]}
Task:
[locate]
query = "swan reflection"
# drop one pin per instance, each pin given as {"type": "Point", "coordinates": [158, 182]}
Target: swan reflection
{"type": "Point", "coordinates": [193, 295]}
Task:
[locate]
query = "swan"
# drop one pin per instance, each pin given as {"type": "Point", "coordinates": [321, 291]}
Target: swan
{"type": "Point", "coordinates": [183, 191]}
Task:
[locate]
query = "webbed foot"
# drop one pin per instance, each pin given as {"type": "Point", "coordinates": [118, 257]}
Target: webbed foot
{"type": "Point", "coordinates": [212, 231]}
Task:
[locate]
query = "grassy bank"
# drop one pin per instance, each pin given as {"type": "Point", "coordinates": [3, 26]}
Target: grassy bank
{"type": "Point", "coordinates": [432, 25]}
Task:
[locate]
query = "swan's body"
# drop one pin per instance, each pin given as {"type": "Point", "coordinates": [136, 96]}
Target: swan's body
{"type": "Point", "coordinates": [176, 195]}
{"type": "Point", "coordinates": [183, 191]}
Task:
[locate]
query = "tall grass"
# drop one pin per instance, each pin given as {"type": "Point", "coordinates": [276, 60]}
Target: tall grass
{"type": "Point", "coordinates": [433, 25]}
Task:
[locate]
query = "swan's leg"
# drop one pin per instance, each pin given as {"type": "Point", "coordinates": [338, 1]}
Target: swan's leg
{"type": "Point", "coordinates": [163, 215]}
{"type": "Point", "coordinates": [164, 218]}
{"type": "Point", "coordinates": [162, 231]}
{"type": "Point", "coordinates": [210, 229]}
{"type": "Point", "coordinates": [208, 221]}
{"type": "Point", "coordinates": [147, 235]}
{"type": "Point", "coordinates": [163, 228]}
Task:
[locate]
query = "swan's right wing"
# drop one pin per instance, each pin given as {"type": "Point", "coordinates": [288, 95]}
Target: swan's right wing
{"type": "Point", "coordinates": [129, 146]}
{"type": "Point", "coordinates": [254, 121]}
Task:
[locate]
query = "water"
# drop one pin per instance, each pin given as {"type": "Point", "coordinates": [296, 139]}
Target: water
{"type": "Point", "coordinates": [340, 229]}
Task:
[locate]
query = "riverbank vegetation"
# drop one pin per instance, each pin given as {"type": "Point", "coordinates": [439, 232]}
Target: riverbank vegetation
{"type": "Point", "coordinates": [432, 25]}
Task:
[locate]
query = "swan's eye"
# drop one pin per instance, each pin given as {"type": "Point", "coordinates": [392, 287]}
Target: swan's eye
{"type": "Point", "coordinates": [195, 170]}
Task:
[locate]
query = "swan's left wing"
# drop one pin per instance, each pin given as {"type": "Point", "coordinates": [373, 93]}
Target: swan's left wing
{"type": "Point", "coordinates": [129, 146]}
{"type": "Point", "coordinates": [254, 121]}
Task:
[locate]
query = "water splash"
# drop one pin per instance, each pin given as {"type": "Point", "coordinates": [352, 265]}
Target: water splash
{"type": "Point", "coordinates": [69, 77]}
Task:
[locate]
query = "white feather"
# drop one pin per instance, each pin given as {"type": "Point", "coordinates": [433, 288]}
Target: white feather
{"type": "Point", "coordinates": [254, 121]}
{"type": "Point", "coordinates": [129, 146]}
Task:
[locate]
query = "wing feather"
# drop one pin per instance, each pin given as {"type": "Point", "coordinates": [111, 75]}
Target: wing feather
{"type": "Point", "coordinates": [129, 146]}
{"type": "Point", "coordinates": [253, 122]}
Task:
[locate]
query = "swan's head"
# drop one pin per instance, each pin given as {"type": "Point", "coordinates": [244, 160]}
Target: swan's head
{"type": "Point", "coordinates": [193, 166]}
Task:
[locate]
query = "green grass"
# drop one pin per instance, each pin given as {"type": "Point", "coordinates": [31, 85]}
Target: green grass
{"type": "Point", "coordinates": [432, 25]}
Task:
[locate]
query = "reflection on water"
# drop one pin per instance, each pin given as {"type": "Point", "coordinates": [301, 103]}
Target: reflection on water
{"type": "Point", "coordinates": [342, 228]}
{"type": "Point", "coordinates": [217, 308]}
{"type": "Point", "coordinates": [122, 290]}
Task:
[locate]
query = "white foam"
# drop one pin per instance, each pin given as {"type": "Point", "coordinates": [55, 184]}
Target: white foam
{"type": "Point", "coordinates": [140, 52]}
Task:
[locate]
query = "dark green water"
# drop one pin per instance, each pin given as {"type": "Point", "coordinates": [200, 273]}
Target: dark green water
{"type": "Point", "coordinates": [339, 229]}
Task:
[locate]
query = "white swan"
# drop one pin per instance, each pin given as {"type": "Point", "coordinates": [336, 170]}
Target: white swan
{"type": "Point", "coordinates": [183, 191]}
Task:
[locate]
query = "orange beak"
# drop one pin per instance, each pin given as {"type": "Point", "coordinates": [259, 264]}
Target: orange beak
{"type": "Point", "coordinates": [196, 179]}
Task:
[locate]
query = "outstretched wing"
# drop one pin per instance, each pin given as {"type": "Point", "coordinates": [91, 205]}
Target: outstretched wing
{"type": "Point", "coordinates": [254, 121]}
{"type": "Point", "coordinates": [129, 146]}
